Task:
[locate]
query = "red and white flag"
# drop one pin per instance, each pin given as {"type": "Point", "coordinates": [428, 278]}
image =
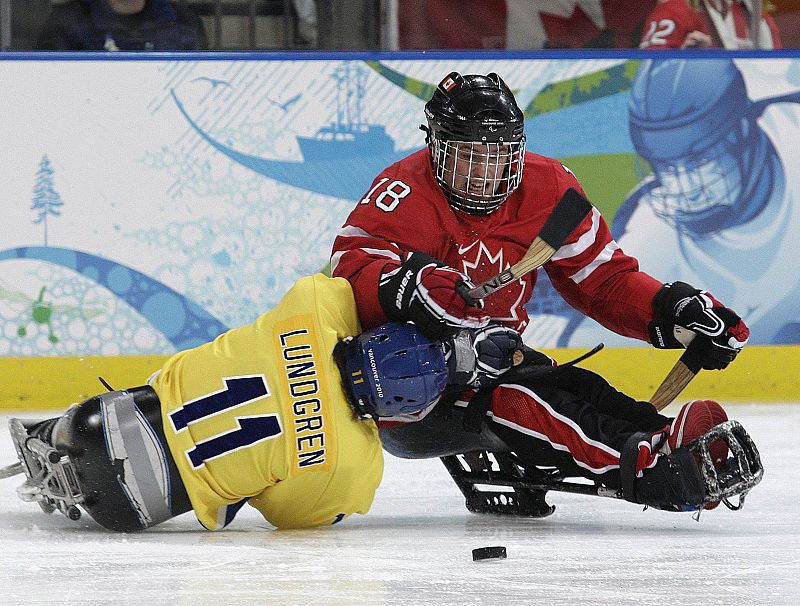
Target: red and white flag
{"type": "Point", "coordinates": [518, 24]}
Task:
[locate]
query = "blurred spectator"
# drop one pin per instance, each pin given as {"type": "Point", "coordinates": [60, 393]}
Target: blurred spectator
{"type": "Point", "coordinates": [519, 24]}
{"type": "Point", "coordinates": [787, 17]}
{"type": "Point", "coordinates": [707, 24]}
{"type": "Point", "coordinates": [121, 25]}
{"type": "Point", "coordinates": [306, 21]}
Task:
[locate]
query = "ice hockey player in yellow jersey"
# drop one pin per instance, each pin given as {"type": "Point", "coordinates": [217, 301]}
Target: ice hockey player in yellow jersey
{"type": "Point", "coordinates": [267, 398]}
{"type": "Point", "coordinates": [259, 415]}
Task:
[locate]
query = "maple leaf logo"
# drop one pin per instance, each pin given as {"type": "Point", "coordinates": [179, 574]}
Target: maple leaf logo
{"type": "Point", "coordinates": [485, 264]}
{"type": "Point", "coordinates": [503, 305]}
{"type": "Point", "coordinates": [570, 32]}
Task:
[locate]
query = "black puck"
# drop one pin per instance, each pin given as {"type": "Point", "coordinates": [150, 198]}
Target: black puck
{"type": "Point", "coordinates": [489, 553]}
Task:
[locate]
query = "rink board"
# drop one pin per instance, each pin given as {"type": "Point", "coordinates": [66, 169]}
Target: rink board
{"type": "Point", "coordinates": [760, 373]}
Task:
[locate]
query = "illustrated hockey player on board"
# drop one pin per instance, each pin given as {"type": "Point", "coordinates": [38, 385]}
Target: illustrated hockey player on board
{"type": "Point", "coordinates": [719, 199]}
{"type": "Point", "coordinates": [468, 207]}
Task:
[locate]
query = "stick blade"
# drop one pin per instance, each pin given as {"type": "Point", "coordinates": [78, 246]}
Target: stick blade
{"type": "Point", "coordinates": [568, 213]}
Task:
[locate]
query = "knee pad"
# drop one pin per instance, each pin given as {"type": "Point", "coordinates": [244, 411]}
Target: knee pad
{"type": "Point", "coordinates": [121, 463]}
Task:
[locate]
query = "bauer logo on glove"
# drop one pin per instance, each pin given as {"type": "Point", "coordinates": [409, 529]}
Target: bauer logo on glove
{"type": "Point", "coordinates": [423, 291]}
{"type": "Point", "coordinates": [722, 332]}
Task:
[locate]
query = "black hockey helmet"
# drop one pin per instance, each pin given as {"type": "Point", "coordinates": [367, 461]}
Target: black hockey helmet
{"type": "Point", "coordinates": [475, 118]}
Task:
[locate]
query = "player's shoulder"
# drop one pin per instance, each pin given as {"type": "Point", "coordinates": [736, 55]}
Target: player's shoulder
{"type": "Point", "coordinates": [548, 173]}
{"type": "Point", "coordinates": [407, 187]}
{"type": "Point", "coordinates": [318, 290]}
{"type": "Point", "coordinates": [544, 182]}
{"type": "Point", "coordinates": [539, 162]}
{"type": "Point", "coordinates": [320, 282]}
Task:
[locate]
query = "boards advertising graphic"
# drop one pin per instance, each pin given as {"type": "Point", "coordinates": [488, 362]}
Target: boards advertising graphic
{"type": "Point", "coordinates": [150, 205]}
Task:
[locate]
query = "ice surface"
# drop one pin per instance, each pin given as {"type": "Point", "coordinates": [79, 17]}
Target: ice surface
{"type": "Point", "coordinates": [415, 548]}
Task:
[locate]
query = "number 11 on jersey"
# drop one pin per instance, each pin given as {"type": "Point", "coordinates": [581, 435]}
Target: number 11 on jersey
{"type": "Point", "coordinates": [250, 429]}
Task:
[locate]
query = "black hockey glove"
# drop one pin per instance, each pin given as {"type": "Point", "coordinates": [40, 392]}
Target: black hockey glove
{"type": "Point", "coordinates": [720, 333]}
{"type": "Point", "coordinates": [475, 357]}
{"type": "Point", "coordinates": [423, 291]}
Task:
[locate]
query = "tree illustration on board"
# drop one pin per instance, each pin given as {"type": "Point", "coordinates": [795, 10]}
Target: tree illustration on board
{"type": "Point", "coordinates": [46, 200]}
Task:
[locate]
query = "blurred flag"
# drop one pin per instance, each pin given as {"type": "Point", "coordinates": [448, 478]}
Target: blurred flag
{"type": "Point", "coordinates": [516, 24]}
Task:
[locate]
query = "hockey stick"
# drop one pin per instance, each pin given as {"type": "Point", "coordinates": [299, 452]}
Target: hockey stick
{"type": "Point", "coordinates": [681, 374]}
{"type": "Point", "coordinates": [11, 470]}
{"type": "Point", "coordinates": [755, 23]}
{"type": "Point", "coordinates": [566, 216]}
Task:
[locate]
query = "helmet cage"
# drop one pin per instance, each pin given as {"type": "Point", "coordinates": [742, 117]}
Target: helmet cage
{"type": "Point", "coordinates": [739, 475]}
{"type": "Point", "coordinates": [700, 185]}
{"type": "Point", "coordinates": [475, 133]}
{"type": "Point", "coordinates": [476, 176]}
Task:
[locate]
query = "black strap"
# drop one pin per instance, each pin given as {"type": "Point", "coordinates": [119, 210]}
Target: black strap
{"type": "Point", "coordinates": [714, 33]}
{"type": "Point", "coordinates": [536, 364]}
{"type": "Point", "coordinates": [477, 408]}
{"type": "Point", "coordinates": [627, 465]}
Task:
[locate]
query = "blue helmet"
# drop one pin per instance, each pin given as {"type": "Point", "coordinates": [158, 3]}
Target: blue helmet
{"type": "Point", "coordinates": [392, 370]}
{"type": "Point", "coordinates": [692, 120]}
{"type": "Point", "coordinates": [672, 117]}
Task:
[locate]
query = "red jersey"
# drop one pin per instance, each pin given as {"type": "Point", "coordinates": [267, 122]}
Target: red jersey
{"type": "Point", "coordinates": [406, 211]}
{"type": "Point", "coordinates": [672, 20]}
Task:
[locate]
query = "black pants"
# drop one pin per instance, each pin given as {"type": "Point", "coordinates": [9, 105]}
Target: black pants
{"type": "Point", "coordinates": [570, 418]}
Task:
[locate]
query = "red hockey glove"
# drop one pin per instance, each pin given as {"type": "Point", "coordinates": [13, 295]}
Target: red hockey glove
{"type": "Point", "coordinates": [423, 291]}
{"type": "Point", "coordinates": [722, 332]}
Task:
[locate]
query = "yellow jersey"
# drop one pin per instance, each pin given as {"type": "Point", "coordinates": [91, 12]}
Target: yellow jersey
{"type": "Point", "coordinates": [258, 415]}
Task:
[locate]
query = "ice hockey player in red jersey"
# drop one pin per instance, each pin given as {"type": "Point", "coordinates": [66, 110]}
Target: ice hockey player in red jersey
{"type": "Point", "coordinates": [706, 24]}
{"type": "Point", "coordinates": [464, 209]}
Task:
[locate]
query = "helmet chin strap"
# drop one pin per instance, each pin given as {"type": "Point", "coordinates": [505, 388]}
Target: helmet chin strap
{"type": "Point", "coordinates": [472, 208]}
